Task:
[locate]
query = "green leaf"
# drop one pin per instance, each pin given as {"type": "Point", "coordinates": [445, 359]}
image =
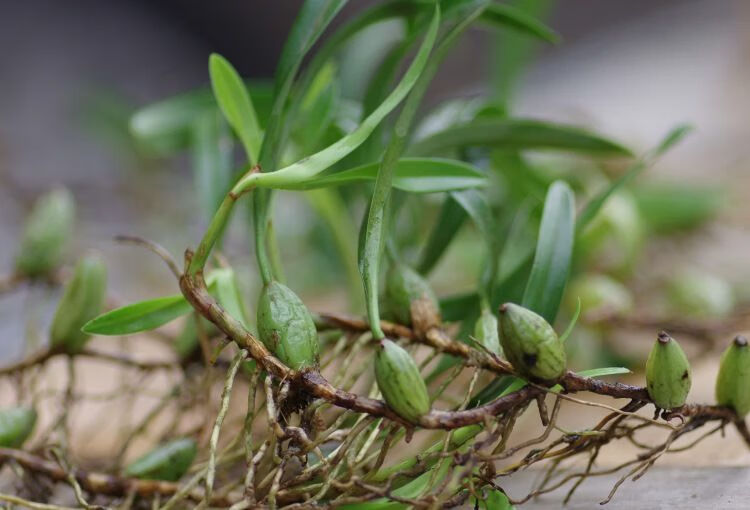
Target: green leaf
{"type": "Point", "coordinates": [596, 203]}
{"type": "Point", "coordinates": [518, 134]}
{"type": "Point", "coordinates": [554, 249]}
{"type": "Point", "coordinates": [317, 111]}
{"type": "Point", "coordinates": [476, 206]}
{"type": "Point", "coordinates": [313, 18]}
{"type": "Point", "coordinates": [236, 104]}
{"type": "Point", "coordinates": [448, 223]}
{"type": "Point", "coordinates": [416, 175]}
{"type": "Point", "coordinates": [602, 372]}
{"type": "Point", "coordinates": [309, 167]}
{"type": "Point", "coordinates": [413, 489]}
{"type": "Point", "coordinates": [137, 317]}
{"type": "Point", "coordinates": [507, 16]}
{"type": "Point", "coordinates": [572, 323]}
{"type": "Point", "coordinates": [330, 206]}
{"type": "Point", "coordinates": [513, 51]}
{"type": "Point", "coordinates": [495, 500]}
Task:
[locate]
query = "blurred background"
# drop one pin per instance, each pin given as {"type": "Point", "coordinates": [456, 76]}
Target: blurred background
{"type": "Point", "coordinates": [73, 72]}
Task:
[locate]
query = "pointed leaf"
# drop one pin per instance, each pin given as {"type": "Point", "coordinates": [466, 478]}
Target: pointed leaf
{"type": "Point", "coordinates": [416, 175]}
{"type": "Point", "coordinates": [448, 223]}
{"type": "Point", "coordinates": [554, 249]}
{"type": "Point", "coordinates": [236, 104]}
{"type": "Point", "coordinates": [507, 16]}
{"type": "Point", "coordinates": [137, 317]}
{"type": "Point", "coordinates": [305, 169]}
{"type": "Point", "coordinates": [596, 203]}
{"type": "Point", "coordinates": [518, 134]}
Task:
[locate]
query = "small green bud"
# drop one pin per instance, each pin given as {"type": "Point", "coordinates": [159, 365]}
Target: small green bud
{"type": "Point", "coordinates": [45, 234]}
{"type": "Point", "coordinates": [286, 327]}
{"type": "Point", "coordinates": [667, 373]}
{"type": "Point", "coordinates": [400, 383]}
{"type": "Point", "coordinates": [600, 294]}
{"type": "Point", "coordinates": [16, 425]}
{"type": "Point", "coordinates": [82, 300]}
{"type": "Point", "coordinates": [485, 332]}
{"type": "Point", "coordinates": [410, 297]}
{"type": "Point", "coordinates": [168, 462]}
{"type": "Point", "coordinates": [530, 343]}
{"type": "Point", "coordinates": [698, 294]}
{"type": "Point", "coordinates": [733, 382]}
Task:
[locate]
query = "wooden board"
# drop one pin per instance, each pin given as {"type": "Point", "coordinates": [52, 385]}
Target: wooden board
{"type": "Point", "coordinates": [726, 488]}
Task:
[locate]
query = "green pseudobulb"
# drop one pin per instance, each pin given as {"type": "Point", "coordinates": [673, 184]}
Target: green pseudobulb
{"type": "Point", "coordinates": [400, 383]}
{"type": "Point", "coordinates": [82, 300]}
{"type": "Point", "coordinates": [733, 381]}
{"type": "Point", "coordinates": [46, 232]}
{"type": "Point", "coordinates": [667, 373]}
{"type": "Point", "coordinates": [286, 327]}
{"type": "Point", "coordinates": [530, 343]}
{"type": "Point", "coordinates": [404, 287]}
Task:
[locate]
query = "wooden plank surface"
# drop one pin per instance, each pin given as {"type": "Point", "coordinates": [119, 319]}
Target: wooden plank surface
{"type": "Point", "coordinates": [725, 488]}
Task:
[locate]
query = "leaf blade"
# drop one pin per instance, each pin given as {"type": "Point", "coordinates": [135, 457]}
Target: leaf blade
{"type": "Point", "coordinates": [551, 265]}
{"type": "Point", "coordinates": [416, 175]}
{"type": "Point", "coordinates": [136, 317]}
{"type": "Point", "coordinates": [234, 101]}
{"type": "Point", "coordinates": [519, 134]}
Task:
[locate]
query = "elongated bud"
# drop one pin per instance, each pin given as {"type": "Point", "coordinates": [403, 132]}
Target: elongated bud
{"type": "Point", "coordinates": [667, 373]}
{"type": "Point", "coordinates": [733, 382]}
{"type": "Point", "coordinates": [411, 298]}
{"type": "Point", "coordinates": [400, 383]}
{"type": "Point", "coordinates": [167, 462]}
{"type": "Point", "coordinates": [600, 295]}
{"type": "Point", "coordinates": [486, 332]}
{"type": "Point", "coordinates": [530, 344]}
{"type": "Point", "coordinates": [286, 327]}
{"type": "Point", "coordinates": [16, 425]}
{"type": "Point", "coordinates": [82, 300]}
{"type": "Point", "coordinates": [46, 232]}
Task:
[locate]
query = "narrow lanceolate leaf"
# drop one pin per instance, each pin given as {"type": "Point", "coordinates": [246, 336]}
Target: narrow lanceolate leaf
{"type": "Point", "coordinates": [549, 272]}
{"type": "Point", "coordinates": [507, 16]}
{"type": "Point", "coordinates": [376, 232]}
{"type": "Point", "coordinates": [448, 223]}
{"type": "Point", "coordinates": [136, 317]}
{"type": "Point", "coordinates": [595, 204]}
{"type": "Point", "coordinates": [518, 134]}
{"type": "Point", "coordinates": [236, 104]}
{"type": "Point", "coordinates": [476, 206]}
{"type": "Point", "coordinates": [415, 175]}
{"type": "Point", "coordinates": [313, 165]}
{"type": "Point", "coordinates": [314, 16]}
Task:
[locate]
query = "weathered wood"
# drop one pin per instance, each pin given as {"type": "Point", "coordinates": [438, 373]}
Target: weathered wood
{"type": "Point", "coordinates": [724, 488]}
